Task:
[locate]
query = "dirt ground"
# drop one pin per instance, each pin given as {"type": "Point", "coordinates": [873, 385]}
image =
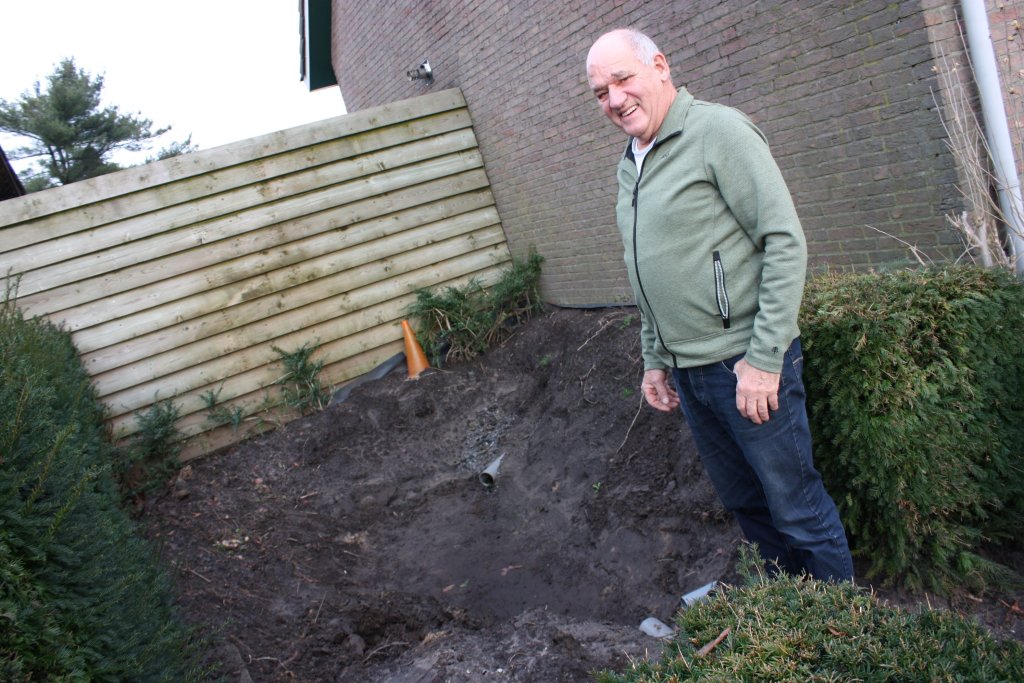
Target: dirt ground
{"type": "Point", "coordinates": [359, 544]}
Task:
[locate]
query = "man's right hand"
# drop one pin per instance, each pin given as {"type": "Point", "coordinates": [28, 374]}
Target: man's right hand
{"type": "Point", "coordinates": [658, 392]}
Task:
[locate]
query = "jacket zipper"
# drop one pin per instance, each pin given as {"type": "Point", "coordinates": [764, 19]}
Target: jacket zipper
{"type": "Point", "coordinates": [721, 295]}
{"type": "Point", "coordinates": [636, 260]}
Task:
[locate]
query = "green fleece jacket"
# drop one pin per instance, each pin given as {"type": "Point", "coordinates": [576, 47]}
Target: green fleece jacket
{"type": "Point", "coordinates": [713, 245]}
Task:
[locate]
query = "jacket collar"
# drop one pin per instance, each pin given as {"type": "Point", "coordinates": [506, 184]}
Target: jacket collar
{"type": "Point", "coordinates": [672, 124]}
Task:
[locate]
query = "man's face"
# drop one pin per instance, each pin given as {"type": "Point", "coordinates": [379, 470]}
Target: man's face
{"type": "Point", "coordinates": [635, 96]}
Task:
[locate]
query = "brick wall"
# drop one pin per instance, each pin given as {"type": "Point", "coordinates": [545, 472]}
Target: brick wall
{"type": "Point", "coordinates": [843, 90]}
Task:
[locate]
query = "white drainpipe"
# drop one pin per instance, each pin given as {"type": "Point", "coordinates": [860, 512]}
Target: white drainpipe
{"type": "Point", "coordinates": [997, 130]}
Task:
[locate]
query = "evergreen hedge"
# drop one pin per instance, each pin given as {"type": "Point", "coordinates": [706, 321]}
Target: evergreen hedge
{"type": "Point", "coordinates": [81, 595]}
{"type": "Point", "coordinates": [914, 382]}
{"type": "Point", "coordinates": [789, 630]}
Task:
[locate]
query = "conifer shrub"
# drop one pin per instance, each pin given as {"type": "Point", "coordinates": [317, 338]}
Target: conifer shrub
{"type": "Point", "coordinates": [914, 385]}
{"type": "Point", "coordinates": [461, 322]}
{"type": "Point", "coordinates": [792, 630]}
{"type": "Point", "coordinates": [151, 455]}
{"type": "Point", "coordinates": [81, 595]}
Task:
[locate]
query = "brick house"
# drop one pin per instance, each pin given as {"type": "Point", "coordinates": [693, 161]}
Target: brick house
{"type": "Point", "coordinates": [845, 92]}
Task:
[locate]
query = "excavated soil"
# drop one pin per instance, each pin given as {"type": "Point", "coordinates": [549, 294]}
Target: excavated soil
{"type": "Point", "coordinates": [359, 544]}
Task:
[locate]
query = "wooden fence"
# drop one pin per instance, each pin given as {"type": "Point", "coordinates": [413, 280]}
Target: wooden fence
{"type": "Point", "coordinates": [177, 278]}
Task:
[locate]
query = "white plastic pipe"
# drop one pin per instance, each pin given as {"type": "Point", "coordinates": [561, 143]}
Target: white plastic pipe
{"type": "Point", "coordinates": [997, 130]}
{"type": "Point", "coordinates": [490, 473]}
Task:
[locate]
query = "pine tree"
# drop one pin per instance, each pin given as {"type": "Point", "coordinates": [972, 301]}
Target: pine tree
{"type": "Point", "coordinates": [71, 133]}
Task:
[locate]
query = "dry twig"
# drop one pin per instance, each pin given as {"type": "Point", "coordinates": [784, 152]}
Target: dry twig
{"type": "Point", "coordinates": [1012, 609]}
{"type": "Point", "coordinates": [317, 616]}
{"type": "Point", "coordinates": [918, 254]}
{"type": "Point", "coordinates": [380, 648]}
{"type": "Point", "coordinates": [626, 438]}
{"type": "Point", "coordinates": [604, 323]}
{"type": "Point", "coordinates": [978, 226]}
{"type": "Point", "coordinates": [704, 651]}
{"type": "Point", "coordinates": [193, 571]}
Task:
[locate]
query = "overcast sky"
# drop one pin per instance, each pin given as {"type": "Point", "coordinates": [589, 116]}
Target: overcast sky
{"type": "Point", "coordinates": [220, 70]}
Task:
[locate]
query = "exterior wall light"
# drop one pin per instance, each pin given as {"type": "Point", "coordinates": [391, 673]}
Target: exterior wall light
{"type": "Point", "coordinates": [422, 72]}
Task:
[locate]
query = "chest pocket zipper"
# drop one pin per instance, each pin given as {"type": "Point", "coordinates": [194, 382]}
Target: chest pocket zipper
{"type": "Point", "coordinates": [721, 295]}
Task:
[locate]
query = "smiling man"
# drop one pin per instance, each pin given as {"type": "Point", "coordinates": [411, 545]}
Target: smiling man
{"type": "Point", "coordinates": [716, 257]}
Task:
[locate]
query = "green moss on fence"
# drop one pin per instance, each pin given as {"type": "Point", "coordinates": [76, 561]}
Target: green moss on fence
{"type": "Point", "coordinates": [81, 597]}
{"type": "Point", "coordinates": [914, 382]}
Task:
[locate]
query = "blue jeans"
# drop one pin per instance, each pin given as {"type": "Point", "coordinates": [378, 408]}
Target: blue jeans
{"type": "Point", "coordinates": [764, 474]}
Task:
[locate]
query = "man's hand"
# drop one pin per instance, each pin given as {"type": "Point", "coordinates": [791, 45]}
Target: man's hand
{"type": "Point", "coordinates": [757, 391]}
{"type": "Point", "coordinates": [658, 392]}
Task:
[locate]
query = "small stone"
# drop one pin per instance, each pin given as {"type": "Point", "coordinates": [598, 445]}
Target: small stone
{"type": "Point", "coordinates": [354, 645]}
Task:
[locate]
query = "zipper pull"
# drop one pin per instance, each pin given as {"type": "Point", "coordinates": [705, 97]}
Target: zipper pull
{"type": "Point", "coordinates": [636, 190]}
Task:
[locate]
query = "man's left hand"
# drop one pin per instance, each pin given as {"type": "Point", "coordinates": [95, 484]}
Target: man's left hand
{"type": "Point", "coordinates": [757, 392]}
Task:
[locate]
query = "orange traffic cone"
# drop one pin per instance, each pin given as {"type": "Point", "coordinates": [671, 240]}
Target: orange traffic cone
{"type": "Point", "coordinates": [415, 359]}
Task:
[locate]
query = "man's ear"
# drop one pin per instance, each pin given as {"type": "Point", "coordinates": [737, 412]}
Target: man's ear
{"type": "Point", "coordinates": [661, 66]}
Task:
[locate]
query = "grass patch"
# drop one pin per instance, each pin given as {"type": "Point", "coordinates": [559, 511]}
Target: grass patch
{"type": "Point", "coordinates": [788, 629]}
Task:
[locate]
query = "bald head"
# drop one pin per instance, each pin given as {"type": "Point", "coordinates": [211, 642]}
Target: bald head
{"type": "Point", "coordinates": [643, 47]}
{"type": "Point", "coordinates": [630, 78]}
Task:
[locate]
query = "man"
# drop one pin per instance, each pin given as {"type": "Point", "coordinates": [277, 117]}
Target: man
{"type": "Point", "coordinates": [716, 257]}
